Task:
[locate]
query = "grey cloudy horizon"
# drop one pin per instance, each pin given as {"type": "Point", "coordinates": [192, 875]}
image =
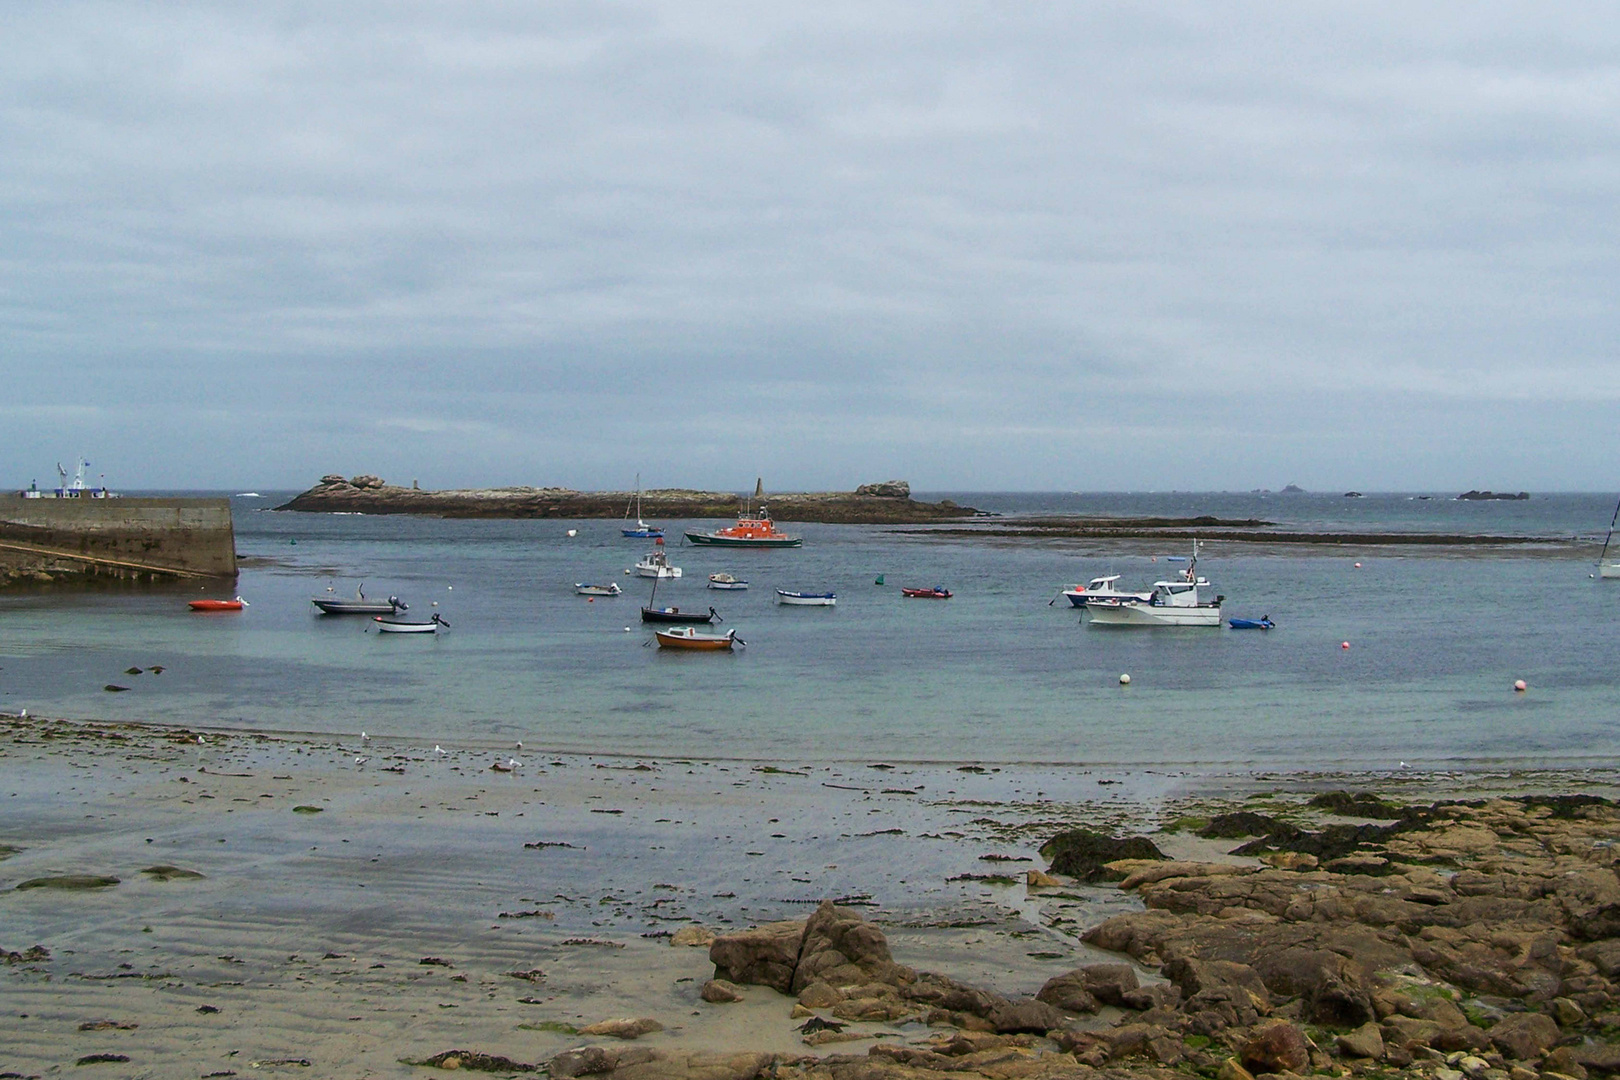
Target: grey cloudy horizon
{"type": "Point", "coordinates": [1043, 246]}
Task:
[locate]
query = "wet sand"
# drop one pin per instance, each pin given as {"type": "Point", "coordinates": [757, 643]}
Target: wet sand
{"type": "Point", "coordinates": [305, 936]}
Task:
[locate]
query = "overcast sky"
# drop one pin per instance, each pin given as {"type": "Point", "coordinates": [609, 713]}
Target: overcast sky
{"type": "Point", "coordinates": [978, 246]}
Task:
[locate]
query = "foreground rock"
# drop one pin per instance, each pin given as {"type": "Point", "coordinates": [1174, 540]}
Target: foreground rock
{"type": "Point", "coordinates": [886, 503]}
{"type": "Point", "coordinates": [1476, 940]}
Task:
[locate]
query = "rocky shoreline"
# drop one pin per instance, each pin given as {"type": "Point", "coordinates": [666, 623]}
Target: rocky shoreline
{"type": "Point", "coordinates": [1462, 940]}
{"type": "Point", "coordinates": [1291, 931]}
{"type": "Point", "coordinates": [889, 502]}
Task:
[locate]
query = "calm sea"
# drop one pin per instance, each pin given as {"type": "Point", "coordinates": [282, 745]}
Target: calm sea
{"type": "Point", "coordinates": [996, 674]}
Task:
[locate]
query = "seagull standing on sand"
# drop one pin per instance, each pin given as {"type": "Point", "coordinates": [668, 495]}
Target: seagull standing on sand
{"type": "Point", "coordinates": [513, 763]}
{"type": "Point", "coordinates": [437, 749]}
{"type": "Point", "coordinates": [364, 736]}
{"type": "Point", "coordinates": [360, 760]}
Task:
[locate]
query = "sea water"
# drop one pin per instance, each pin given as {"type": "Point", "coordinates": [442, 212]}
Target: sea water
{"type": "Point", "coordinates": [998, 674]}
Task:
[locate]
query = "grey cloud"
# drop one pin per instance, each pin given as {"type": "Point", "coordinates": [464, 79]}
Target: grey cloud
{"type": "Point", "coordinates": [1041, 245]}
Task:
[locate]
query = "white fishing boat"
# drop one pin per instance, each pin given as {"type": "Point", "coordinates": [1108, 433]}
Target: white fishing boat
{"type": "Point", "coordinates": [1173, 603]}
{"type": "Point", "coordinates": [584, 589]}
{"type": "Point", "coordinates": [1103, 589]}
{"type": "Point", "coordinates": [726, 581]}
{"type": "Point", "coordinates": [394, 625]}
{"type": "Point", "coordinates": [655, 564]}
{"type": "Point", "coordinates": [806, 599]}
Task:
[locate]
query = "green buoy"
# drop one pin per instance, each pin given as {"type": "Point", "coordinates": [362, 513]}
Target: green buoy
{"type": "Point", "coordinates": [879, 580]}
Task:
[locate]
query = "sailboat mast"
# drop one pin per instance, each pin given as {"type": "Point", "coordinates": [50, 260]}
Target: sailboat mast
{"type": "Point", "coordinates": [1616, 518]}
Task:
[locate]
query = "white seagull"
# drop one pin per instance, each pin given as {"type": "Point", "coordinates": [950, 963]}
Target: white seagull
{"type": "Point", "coordinates": [437, 749]}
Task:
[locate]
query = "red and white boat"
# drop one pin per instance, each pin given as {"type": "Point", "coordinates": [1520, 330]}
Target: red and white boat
{"type": "Point", "coordinates": [938, 592]}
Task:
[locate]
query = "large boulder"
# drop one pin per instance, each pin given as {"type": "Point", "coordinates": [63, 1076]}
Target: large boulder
{"type": "Point", "coordinates": [888, 489]}
{"type": "Point", "coordinates": [1276, 1048]}
{"type": "Point", "coordinates": [1083, 854]}
{"type": "Point", "coordinates": [944, 992]}
{"type": "Point", "coordinates": [1524, 1036]}
{"type": "Point", "coordinates": [1332, 987]}
{"type": "Point", "coordinates": [839, 947]}
{"type": "Point", "coordinates": [762, 955]}
{"type": "Point", "coordinates": [367, 481]}
{"type": "Point", "coordinates": [1068, 992]}
{"type": "Point", "coordinates": [1012, 1017]}
{"type": "Point", "coordinates": [1109, 983]}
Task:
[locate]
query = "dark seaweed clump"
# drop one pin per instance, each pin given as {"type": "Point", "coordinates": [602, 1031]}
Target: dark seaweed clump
{"type": "Point", "coordinates": [1082, 854]}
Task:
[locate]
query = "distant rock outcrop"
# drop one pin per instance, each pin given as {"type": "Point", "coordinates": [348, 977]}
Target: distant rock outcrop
{"type": "Point", "coordinates": [1487, 496]}
{"type": "Point", "coordinates": [886, 503]}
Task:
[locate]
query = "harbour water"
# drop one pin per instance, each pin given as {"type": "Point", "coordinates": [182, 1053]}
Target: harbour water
{"type": "Point", "coordinates": [996, 675]}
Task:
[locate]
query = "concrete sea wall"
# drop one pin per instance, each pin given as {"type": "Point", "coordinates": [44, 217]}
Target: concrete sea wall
{"type": "Point", "coordinates": [127, 539]}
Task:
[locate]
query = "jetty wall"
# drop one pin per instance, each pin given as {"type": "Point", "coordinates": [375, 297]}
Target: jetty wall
{"type": "Point", "coordinates": [124, 539]}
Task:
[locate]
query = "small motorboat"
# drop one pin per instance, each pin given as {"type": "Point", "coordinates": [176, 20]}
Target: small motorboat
{"type": "Point", "coordinates": [676, 615]}
{"type": "Point", "coordinates": [1102, 588]}
{"type": "Point", "coordinates": [806, 599]}
{"type": "Point", "coordinates": [393, 625]}
{"type": "Point", "coordinates": [655, 564]}
{"type": "Point", "coordinates": [1262, 623]}
{"type": "Point", "coordinates": [938, 592]}
{"type": "Point", "coordinates": [358, 605]}
{"type": "Point", "coordinates": [686, 637]}
{"type": "Point", "coordinates": [726, 581]}
{"type": "Point", "coordinates": [217, 605]}
{"type": "Point", "coordinates": [610, 589]}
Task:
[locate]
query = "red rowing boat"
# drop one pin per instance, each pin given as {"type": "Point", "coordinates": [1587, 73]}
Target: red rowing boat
{"type": "Point", "coordinates": [217, 605]}
{"type": "Point", "coordinates": [938, 592]}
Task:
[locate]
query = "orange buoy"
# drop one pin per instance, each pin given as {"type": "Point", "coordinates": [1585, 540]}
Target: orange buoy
{"type": "Point", "coordinates": [1520, 685]}
{"type": "Point", "coordinates": [1344, 644]}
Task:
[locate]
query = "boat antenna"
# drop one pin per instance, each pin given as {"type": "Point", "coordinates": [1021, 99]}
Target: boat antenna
{"type": "Point", "coordinates": [1606, 539]}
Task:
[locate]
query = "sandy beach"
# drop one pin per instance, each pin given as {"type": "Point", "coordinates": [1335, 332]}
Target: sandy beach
{"type": "Point", "coordinates": [357, 904]}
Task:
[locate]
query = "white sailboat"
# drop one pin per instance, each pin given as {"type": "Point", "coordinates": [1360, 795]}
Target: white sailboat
{"type": "Point", "coordinates": [1606, 567]}
{"type": "Point", "coordinates": [642, 530]}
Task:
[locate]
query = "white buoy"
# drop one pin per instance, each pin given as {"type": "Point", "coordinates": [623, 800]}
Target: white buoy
{"type": "Point", "coordinates": [1358, 566]}
{"type": "Point", "coordinates": [627, 629]}
{"type": "Point", "coordinates": [573, 532]}
{"type": "Point", "coordinates": [1520, 685]}
{"type": "Point", "coordinates": [1124, 680]}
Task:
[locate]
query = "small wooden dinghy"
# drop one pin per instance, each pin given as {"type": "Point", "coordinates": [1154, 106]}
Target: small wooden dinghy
{"type": "Point", "coordinates": [806, 599]}
{"type": "Point", "coordinates": [938, 592]}
{"type": "Point", "coordinates": [389, 624]}
{"type": "Point", "coordinates": [726, 581]}
{"type": "Point", "coordinates": [217, 605]}
{"type": "Point", "coordinates": [610, 589]}
{"type": "Point", "coordinates": [687, 637]}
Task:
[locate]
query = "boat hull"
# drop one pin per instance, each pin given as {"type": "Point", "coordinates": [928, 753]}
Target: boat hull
{"type": "Point", "coordinates": [389, 626]}
{"type": "Point", "coordinates": [927, 594]}
{"type": "Point", "coordinates": [806, 599]}
{"type": "Point", "coordinates": [642, 534]}
{"type": "Point", "coordinates": [696, 642]}
{"type": "Point", "coordinates": [664, 572]}
{"type": "Point", "coordinates": [1609, 570]}
{"type": "Point", "coordinates": [1082, 598]}
{"type": "Point", "coordinates": [732, 586]}
{"type": "Point", "coordinates": [1132, 614]}
{"type": "Point", "coordinates": [355, 607]}
{"type": "Point", "coordinates": [609, 589]}
{"type": "Point", "coordinates": [216, 605]}
{"type": "Point", "coordinates": [717, 540]}
{"type": "Point", "coordinates": [676, 615]}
